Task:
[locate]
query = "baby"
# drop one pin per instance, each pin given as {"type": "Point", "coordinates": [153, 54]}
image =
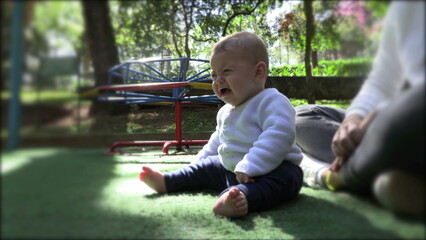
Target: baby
{"type": "Point", "coordinates": [252, 157]}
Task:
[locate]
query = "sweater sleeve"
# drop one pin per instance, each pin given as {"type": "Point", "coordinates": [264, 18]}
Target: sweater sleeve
{"type": "Point", "coordinates": [386, 76]}
{"type": "Point", "coordinates": [211, 148]}
{"type": "Point", "coordinates": [276, 117]}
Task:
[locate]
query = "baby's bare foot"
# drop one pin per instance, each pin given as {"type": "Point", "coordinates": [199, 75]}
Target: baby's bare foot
{"type": "Point", "coordinates": [231, 204]}
{"type": "Point", "coordinates": [153, 179]}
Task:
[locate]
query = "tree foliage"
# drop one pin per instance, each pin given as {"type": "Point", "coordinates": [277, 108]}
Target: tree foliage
{"type": "Point", "coordinates": [358, 67]}
{"type": "Point", "coordinates": [184, 27]}
{"type": "Point", "coordinates": [337, 35]}
{"type": "Point", "coordinates": [293, 27]}
{"type": "Point", "coordinates": [55, 23]}
{"type": "Point", "coordinates": [174, 28]}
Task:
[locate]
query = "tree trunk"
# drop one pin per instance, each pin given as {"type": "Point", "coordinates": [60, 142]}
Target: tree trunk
{"type": "Point", "coordinates": [103, 51]}
{"type": "Point", "coordinates": [310, 31]}
{"type": "Point", "coordinates": [101, 39]}
{"type": "Point", "coordinates": [314, 57]}
{"type": "Point", "coordinates": [187, 16]}
{"type": "Point", "coordinates": [174, 34]}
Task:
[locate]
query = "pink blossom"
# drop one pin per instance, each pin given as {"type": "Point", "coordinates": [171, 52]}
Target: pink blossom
{"type": "Point", "coordinates": [356, 9]}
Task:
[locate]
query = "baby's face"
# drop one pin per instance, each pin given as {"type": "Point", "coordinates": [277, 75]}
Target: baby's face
{"type": "Point", "coordinates": [234, 76]}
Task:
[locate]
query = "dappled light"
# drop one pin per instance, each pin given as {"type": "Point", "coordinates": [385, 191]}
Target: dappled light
{"type": "Point", "coordinates": [122, 195]}
{"type": "Point", "coordinates": [13, 161]}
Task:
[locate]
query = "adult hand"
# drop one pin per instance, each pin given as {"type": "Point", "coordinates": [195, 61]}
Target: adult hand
{"type": "Point", "coordinates": [244, 178]}
{"type": "Point", "coordinates": [346, 139]}
{"type": "Point", "coordinates": [336, 164]}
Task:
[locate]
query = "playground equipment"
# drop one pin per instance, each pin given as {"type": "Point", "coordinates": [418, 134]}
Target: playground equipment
{"type": "Point", "coordinates": [180, 75]}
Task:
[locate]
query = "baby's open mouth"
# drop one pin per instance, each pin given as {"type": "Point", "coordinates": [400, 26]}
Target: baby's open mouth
{"type": "Point", "coordinates": [224, 90]}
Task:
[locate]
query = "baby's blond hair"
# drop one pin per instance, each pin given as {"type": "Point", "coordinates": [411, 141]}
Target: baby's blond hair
{"type": "Point", "coordinates": [248, 42]}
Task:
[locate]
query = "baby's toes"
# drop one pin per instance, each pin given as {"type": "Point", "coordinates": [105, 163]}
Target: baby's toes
{"type": "Point", "coordinates": [142, 176]}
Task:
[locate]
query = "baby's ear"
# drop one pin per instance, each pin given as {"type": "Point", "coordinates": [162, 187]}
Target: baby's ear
{"type": "Point", "coordinates": [261, 71]}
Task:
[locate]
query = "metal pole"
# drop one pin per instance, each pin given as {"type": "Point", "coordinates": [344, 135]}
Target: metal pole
{"type": "Point", "coordinates": [16, 57]}
{"type": "Point", "coordinates": [178, 112]}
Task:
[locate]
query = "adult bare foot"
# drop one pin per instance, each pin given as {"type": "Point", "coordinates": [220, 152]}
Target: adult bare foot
{"type": "Point", "coordinates": [231, 204]}
{"type": "Point", "coordinates": [153, 179]}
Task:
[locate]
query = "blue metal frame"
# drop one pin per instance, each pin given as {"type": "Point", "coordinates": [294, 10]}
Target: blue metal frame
{"type": "Point", "coordinates": [126, 71]}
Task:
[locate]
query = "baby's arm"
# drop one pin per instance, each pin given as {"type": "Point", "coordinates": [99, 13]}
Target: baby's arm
{"type": "Point", "coordinates": [210, 149]}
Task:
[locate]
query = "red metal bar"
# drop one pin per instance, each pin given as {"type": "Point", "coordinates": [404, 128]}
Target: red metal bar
{"type": "Point", "coordinates": [178, 115]}
{"type": "Point", "coordinates": [178, 130]}
{"type": "Point", "coordinates": [187, 143]}
{"type": "Point", "coordinates": [143, 86]}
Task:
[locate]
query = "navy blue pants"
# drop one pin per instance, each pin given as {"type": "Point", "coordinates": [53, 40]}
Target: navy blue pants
{"type": "Point", "coordinates": [281, 185]}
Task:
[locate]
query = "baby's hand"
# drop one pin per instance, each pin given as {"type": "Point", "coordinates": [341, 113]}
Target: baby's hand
{"type": "Point", "coordinates": [244, 178]}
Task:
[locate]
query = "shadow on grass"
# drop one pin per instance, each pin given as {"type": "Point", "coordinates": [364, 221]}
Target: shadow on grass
{"type": "Point", "coordinates": [310, 217]}
{"type": "Point", "coordinates": [60, 196]}
{"type": "Point", "coordinates": [307, 217]}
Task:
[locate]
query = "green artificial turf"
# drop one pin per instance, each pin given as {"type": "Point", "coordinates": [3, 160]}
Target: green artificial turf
{"type": "Point", "coordinates": [83, 194]}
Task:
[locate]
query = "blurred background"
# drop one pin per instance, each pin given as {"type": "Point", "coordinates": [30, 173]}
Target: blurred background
{"type": "Point", "coordinates": [54, 50]}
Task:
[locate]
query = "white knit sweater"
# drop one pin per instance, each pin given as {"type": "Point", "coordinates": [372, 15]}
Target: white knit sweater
{"type": "Point", "coordinates": [255, 137]}
{"type": "Point", "coordinates": [400, 57]}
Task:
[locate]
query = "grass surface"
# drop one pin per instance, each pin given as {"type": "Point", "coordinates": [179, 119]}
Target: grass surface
{"type": "Point", "coordinates": [82, 194]}
{"type": "Point", "coordinates": [54, 97]}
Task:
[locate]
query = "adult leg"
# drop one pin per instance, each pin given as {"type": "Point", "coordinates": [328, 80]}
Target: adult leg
{"type": "Point", "coordinates": [282, 184]}
{"type": "Point", "coordinates": [394, 140]}
{"type": "Point", "coordinates": [315, 128]}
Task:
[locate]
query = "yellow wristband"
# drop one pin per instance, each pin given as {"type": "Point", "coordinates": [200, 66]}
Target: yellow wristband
{"type": "Point", "coordinates": [327, 181]}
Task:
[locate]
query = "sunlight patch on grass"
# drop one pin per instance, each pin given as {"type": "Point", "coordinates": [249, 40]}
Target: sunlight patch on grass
{"type": "Point", "coordinates": [266, 224]}
{"type": "Point", "coordinates": [121, 195]}
{"type": "Point", "coordinates": [154, 157]}
{"type": "Point", "coordinates": [125, 192]}
{"type": "Point", "coordinates": [10, 166]}
{"type": "Point", "coordinates": [12, 161]}
{"type": "Point", "coordinates": [333, 103]}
